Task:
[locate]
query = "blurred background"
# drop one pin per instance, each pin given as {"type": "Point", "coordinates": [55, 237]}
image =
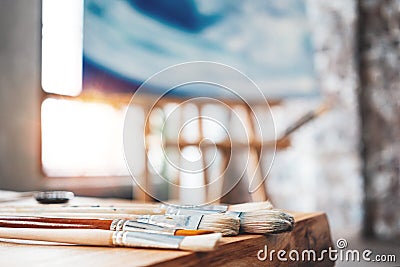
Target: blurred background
{"type": "Point", "coordinates": [70, 68]}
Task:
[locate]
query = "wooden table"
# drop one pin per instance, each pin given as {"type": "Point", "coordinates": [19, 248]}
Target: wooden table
{"type": "Point", "coordinates": [311, 232]}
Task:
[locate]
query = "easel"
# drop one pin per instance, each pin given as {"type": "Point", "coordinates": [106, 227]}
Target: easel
{"type": "Point", "coordinates": [254, 144]}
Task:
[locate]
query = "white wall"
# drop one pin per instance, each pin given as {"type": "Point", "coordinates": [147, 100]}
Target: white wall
{"type": "Point", "coordinates": [20, 37]}
{"type": "Point", "coordinates": [322, 169]}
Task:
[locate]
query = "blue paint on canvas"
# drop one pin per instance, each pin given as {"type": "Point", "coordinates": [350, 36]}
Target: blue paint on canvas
{"type": "Point", "coordinates": [127, 41]}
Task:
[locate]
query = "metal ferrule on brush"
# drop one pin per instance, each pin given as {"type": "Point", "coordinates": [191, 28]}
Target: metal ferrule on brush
{"type": "Point", "coordinates": [116, 224]}
{"type": "Point", "coordinates": [211, 208]}
{"type": "Point", "coordinates": [200, 210]}
{"type": "Point", "coordinates": [166, 224]}
{"type": "Point", "coordinates": [134, 226]}
{"type": "Point", "coordinates": [146, 240]}
{"type": "Point", "coordinates": [189, 221]}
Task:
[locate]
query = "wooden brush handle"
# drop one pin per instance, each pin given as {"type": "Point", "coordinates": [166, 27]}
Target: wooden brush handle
{"type": "Point", "coordinates": [305, 118]}
{"type": "Point", "coordinates": [30, 224]}
{"type": "Point", "coordinates": [92, 237]}
{"type": "Point", "coordinates": [76, 215]}
{"type": "Point", "coordinates": [94, 223]}
{"type": "Point", "coordinates": [81, 209]}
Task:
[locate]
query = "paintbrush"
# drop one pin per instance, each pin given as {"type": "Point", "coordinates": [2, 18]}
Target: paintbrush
{"type": "Point", "coordinates": [113, 225]}
{"type": "Point", "coordinates": [309, 116]}
{"type": "Point", "coordinates": [227, 225]}
{"type": "Point", "coordinates": [137, 209]}
{"type": "Point", "coordinates": [96, 237]}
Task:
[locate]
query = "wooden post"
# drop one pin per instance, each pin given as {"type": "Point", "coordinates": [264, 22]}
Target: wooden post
{"type": "Point", "coordinates": [141, 194]}
{"type": "Point", "coordinates": [379, 50]}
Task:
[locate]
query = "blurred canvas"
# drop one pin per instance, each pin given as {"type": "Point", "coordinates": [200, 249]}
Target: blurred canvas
{"type": "Point", "coordinates": [127, 41]}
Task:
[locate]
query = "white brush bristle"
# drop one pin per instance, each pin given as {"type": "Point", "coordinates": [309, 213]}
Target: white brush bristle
{"type": "Point", "coordinates": [220, 223]}
{"type": "Point", "coordinates": [200, 242]}
{"type": "Point", "coordinates": [266, 221]}
{"type": "Point", "coordinates": [251, 206]}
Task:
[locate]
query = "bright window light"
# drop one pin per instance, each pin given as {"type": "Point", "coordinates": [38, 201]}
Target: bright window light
{"type": "Point", "coordinates": [82, 139]}
{"type": "Point", "coordinates": [62, 44]}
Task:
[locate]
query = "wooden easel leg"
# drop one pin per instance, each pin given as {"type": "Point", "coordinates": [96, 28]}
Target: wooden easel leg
{"type": "Point", "coordinates": [254, 174]}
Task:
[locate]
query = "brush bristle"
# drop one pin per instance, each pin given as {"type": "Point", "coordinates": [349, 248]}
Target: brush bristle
{"type": "Point", "coordinates": [200, 242]}
{"type": "Point", "coordinates": [220, 223]}
{"type": "Point", "coordinates": [266, 221]}
{"type": "Point", "coordinates": [251, 206]}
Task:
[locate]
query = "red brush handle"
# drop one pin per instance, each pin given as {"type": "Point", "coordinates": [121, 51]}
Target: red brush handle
{"type": "Point", "coordinates": [53, 222]}
{"type": "Point", "coordinates": [26, 224]}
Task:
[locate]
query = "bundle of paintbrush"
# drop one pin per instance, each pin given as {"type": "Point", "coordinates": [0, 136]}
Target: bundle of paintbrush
{"type": "Point", "coordinates": [257, 217]}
